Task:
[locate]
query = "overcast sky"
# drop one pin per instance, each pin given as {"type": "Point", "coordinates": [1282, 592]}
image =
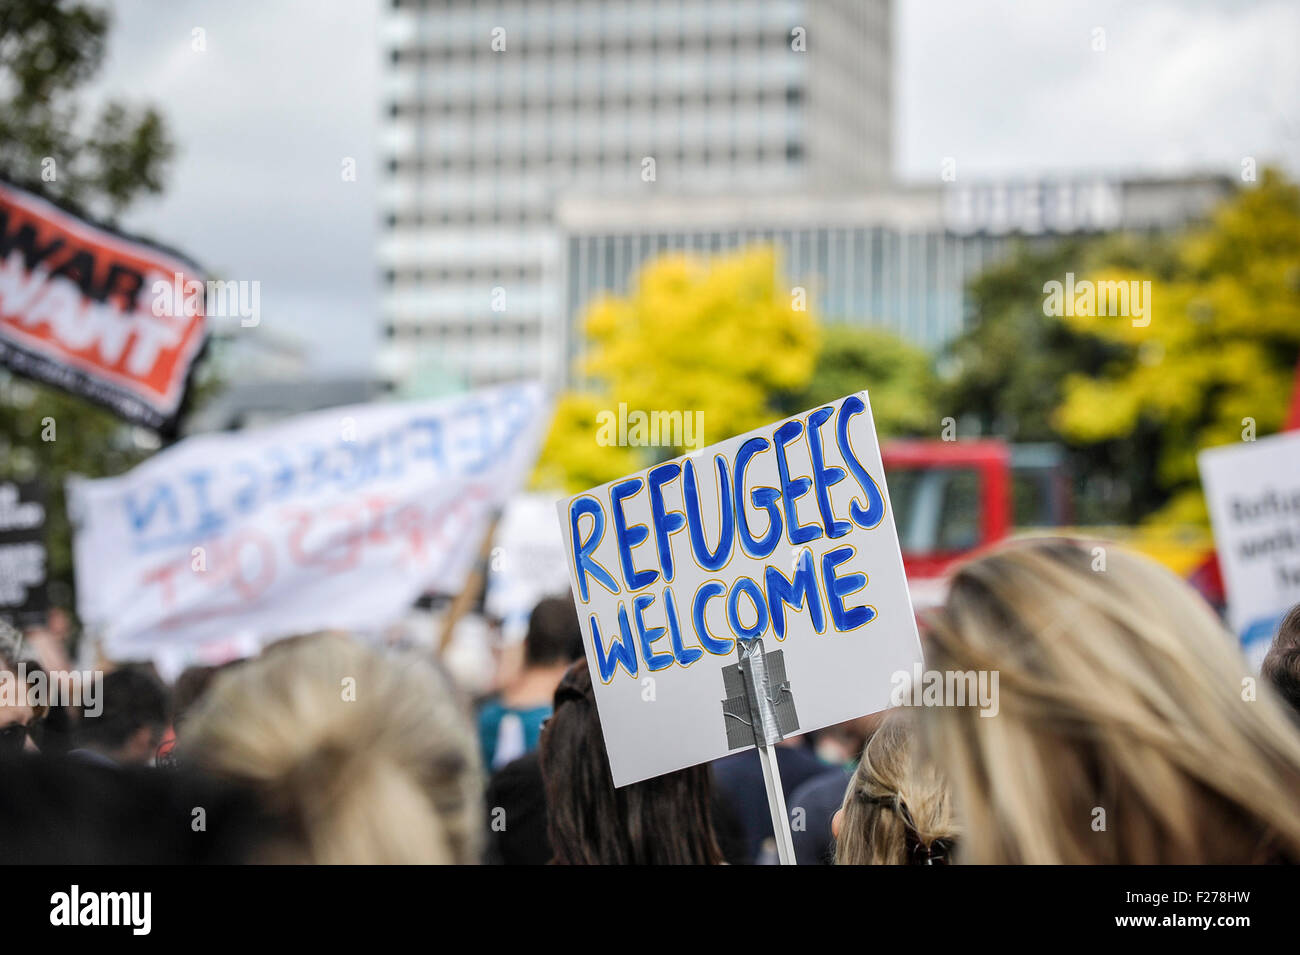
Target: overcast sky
{"type": "Point", "coordinates": [287, 88]}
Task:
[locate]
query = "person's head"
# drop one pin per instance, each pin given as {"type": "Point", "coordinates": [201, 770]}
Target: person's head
{"type": "Point", "coordinates": [897, 810]}
{"type": "Point", "coordinates": [554, 637]}
{"type": "Point", "coordinates": [190, 686]}
{"type": "Point", "coordinates": [366, 756]}
{"type": "Point", "coordinates": [18, 712]}
{"type": "Point", "coordinates": [661, 821]}
{"type": "Point", "coordinates": [842, 743]}
{"type": "Point", "coordinates": [1282, 663]}
{"type": "Point", "coordinates": [132, 717]}
{"type": "Point", "coordinates": [1128, 729]}
{"type": "Point", "coordinates": [73, 812]}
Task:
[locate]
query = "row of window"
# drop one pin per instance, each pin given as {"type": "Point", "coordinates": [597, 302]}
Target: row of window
{"type": "Point", "coordinates": [757, 39]}
{"type": "Point", "coordinates": [460, 274]}
{"type": "Point", "coordinates": [912, 282]}
{"type": "Point", "coordinates": [492, 216]}
{"type": "Point", "coordinates": [793, 153]}
{"type": "Point", "coordinates": [477, 331]}
{"type": "Point", "coordinates": [498, 105]}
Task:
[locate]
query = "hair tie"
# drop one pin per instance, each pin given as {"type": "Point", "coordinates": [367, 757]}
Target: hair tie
{"type": "Point", "coordinates": [937, 852]}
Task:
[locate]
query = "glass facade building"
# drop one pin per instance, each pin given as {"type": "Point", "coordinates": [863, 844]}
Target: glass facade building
{"type": "Point", "coordinates": [899, 259]}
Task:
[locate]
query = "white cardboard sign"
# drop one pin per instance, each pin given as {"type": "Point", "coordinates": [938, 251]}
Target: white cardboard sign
{"type": "Point", "coordinates": [784, 533]}
{"type": "Point", "coordinates": [1252, 491]}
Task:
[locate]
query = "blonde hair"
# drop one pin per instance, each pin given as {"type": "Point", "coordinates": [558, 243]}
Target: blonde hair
{"type": "Point", "coordinates": [1126, 731]}
{"type": "Point", "coordinates": [365, 755]}
{"type": "Point", "coordinates": [897, 810]}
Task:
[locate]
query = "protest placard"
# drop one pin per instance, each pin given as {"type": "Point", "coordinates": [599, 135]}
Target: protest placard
{"type": "Point", "coordinates": [527, 563]}
{"type": "Point", "coordinates": [80, 310]}
{"type": "Point", "coordinates": [336, 519]}
{"type": "Point", "coordinates": [23, 557]}
{"type": "Point", "coordinates": [1252, 491]}
{"type": "Point", "coordinates": [784, 534]}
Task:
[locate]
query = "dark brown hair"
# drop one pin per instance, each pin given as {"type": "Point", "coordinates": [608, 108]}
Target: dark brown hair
{"type": "Point", "coordinates": [553, 633]}
{"type": "Point", "coordinates": [1282, 664]}
{"type": "Point", "coordinates": [660, 821]}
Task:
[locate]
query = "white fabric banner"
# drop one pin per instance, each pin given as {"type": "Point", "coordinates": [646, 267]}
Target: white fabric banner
{"type": "Point", "coordinates": [339, 518]}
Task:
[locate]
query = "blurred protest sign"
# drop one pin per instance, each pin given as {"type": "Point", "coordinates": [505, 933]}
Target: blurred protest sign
{"type": "Point", "coordinates": [1253, 494]}
{"type": "Point", "coordinates": [81, 309]}
{"type": "Point", "coordinates": [782, 536]}
{"type": "Point", "coordinates": [339, 518]}
{"type": "Point", "coordinates": [527, 562]}
{"type": "Point", "coordinates": [22, 553]}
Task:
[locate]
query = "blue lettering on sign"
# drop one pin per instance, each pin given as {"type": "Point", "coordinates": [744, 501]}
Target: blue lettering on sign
{"type": "Point", "coordinates": [874, 512]}
{"type": "Point", "coordinates": [666, 522]}
{"type": "Point", "coordinates": [709, 559]}
{"type": "Point", "coordinates": [140, 515]}
{"type": "Point", "coordinates": [707, 591]}
{"type": "Point", "coordinates": [822, 587]}
{"type": "Point", "coordinates": [763, 498]}
{"type": "Point", "coordinates": [744, 587]}
{"type": "Point", "coordinates": [621, 653]}
{"type": "Point", "coordinates": [583, 561]}
{"type": "Point", "coordinates": [793, 489]}
{"type": "Point", "coordinates": [466, 440]}
{"type": "Point", "coordinates": [628, 536]}
{"type": "Point", "coordinates": [837, 588]}
{"type": "Point", "coordinates": [648, 637]}
{"type": "Point", "coordinates": [684, 655]}
{"type": "Point", "coordinates": [798, 590]}
{"type": "Point", "coordinates": [824, 477]}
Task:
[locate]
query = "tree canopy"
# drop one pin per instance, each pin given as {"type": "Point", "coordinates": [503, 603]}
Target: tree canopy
{"type": "Point", "coordinates": [98, 163]}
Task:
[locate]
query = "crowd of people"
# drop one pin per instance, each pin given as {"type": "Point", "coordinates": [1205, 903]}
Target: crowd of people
{"type": "Point", "coordinates": [1128, 729]}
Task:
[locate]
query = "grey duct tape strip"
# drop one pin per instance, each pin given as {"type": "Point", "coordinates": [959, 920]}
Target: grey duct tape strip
{"type": "Point", "coordinates": [759, 706]}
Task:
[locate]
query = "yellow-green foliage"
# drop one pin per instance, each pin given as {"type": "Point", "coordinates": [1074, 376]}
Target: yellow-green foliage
{"type": "Point", "coordinates": [1221, 345]}
{"type": "Point", "coordinates": [720, 336]}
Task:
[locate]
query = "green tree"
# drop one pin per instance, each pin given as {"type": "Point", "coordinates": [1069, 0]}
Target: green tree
{"type": "Point", "coordinates": [48, 50]}
{"type": "Point", "coordinates": [99, 163]}
{"type": "Point", "coordinates": [719, 338]}
{"type": "Point", "coordinates": [1215, 355]}
{"type": "Point", "coordinates": [1005, 374]}
{"type": "Point", "coordinates": [1005, 370]}
{"type": "Point", "coordinates": [899, 376]}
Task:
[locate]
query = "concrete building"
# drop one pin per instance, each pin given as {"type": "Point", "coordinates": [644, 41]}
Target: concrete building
{"type": "Point", "coordinates": [496, 110]}
{"type": "Point", "coordinates": [898, 258]}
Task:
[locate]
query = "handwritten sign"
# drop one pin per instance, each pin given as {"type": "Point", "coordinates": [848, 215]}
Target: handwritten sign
{"type": "Point", "coordinates": [339, 518]}
{"type": "Point", "coordinates": [23, 599]}
{"type": "Point", "coordinates": [526, 564]}
{"type": "Point", "coordinates": [784, 533]}
{"type": "Point", "coordinates": [1253, 494]}
{"type": "Point", "coordinates": [79, 311]}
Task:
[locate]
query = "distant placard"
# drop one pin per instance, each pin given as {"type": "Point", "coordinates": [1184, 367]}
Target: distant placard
{"type": "Point", "coordinates": [784, 533]}
{"type": "Point", "coordinates": [23, 558]}
{"type": "Point", "coordinates": [526, 563]}
{"type": "Point", "coordinates": [1253, 494]}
